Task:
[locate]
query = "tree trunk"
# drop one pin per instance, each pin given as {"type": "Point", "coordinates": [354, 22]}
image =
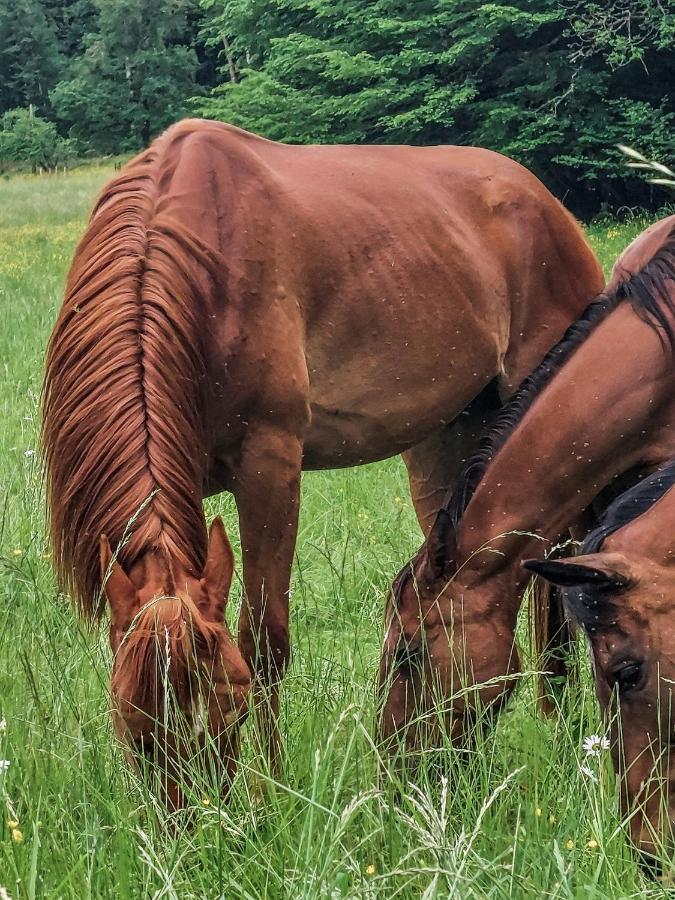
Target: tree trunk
{"type": "Point", "coordinates": [230, 61]}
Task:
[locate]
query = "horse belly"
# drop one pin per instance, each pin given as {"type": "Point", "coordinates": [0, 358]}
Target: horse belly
{"type": "Point", "coordinates": [393, 395]}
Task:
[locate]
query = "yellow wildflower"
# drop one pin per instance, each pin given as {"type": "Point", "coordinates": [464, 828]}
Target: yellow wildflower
{"type": "Point", "coordinates": [537, 812]}
{"type": "Point", "coordinates": [17, 836]}
{"type": "Point", "coordinates": [551, 819]}
{"type": "Point", "coordinates": [206, 801]}
{"type": "Point", "coordinates": [12, 823]}
{"type": "Point", "coordinates": [570, 844]}
{"type": "Point", "coordinates": [370, 869]}
{"type": "Point", "coordinates": [17, 552]}
{"type": "Point", "coordinates": [592, 844]}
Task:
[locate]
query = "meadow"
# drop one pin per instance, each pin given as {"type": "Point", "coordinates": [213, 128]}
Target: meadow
{"type": "Point", "coordinates": [528, 816]}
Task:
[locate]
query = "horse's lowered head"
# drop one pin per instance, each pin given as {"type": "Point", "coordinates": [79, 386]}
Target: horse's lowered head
{"type": "Point", "coordinates": [624, 601]}
{"type": "Point", "coordinates": [423, 671]}
{"type": "Point", "coordinates": [179, 683]}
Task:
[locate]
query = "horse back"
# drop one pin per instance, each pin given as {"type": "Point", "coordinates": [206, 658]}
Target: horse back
{"type": "Point", "coordinates": [419, 274]}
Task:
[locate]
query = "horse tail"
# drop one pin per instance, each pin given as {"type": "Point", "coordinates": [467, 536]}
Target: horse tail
{"type": "Point", "coordinates": [123, 394]}
{"type": "Point", "coordinates": [553, 642]}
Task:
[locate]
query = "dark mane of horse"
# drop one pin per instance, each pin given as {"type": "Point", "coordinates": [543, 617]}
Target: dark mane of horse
{"type": "Point", "coordinates": [647, 292]}
{"type": "Point", "coordinates": [631, 504]}
{"type": "Point", "coordinates": [122, 396]}
{"type": "Point", "coordinates": [591, 606]}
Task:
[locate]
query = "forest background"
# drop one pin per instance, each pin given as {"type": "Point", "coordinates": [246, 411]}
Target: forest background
{"type": "Point", "coordinates": [555, 84]}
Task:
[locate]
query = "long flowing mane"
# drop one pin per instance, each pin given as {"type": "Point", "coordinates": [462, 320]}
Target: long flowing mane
{"type": "Point", "coordinates": [647, 292]}
{"type": "Point", "coordinates": [123, 399]}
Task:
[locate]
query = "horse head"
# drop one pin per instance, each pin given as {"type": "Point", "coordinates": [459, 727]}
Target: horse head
{"type": "Point", "coordinates": [179, 683]}
{"type": "Point", "coordinates": [624, 601]}
{"type": "Point", "coordinates": [427, 685]}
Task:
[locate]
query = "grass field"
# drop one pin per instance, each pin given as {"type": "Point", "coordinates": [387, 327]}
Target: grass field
{"type": "Point", "coordinates": [521, 820]}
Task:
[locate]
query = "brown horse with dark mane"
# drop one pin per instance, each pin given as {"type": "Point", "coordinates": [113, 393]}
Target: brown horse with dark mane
{"type": "Point", "coordinates": [620, 589]}
{"type": "Point", "coordinates": [600, 406]}
{"type": "Point", "coordinates": [239, 310]}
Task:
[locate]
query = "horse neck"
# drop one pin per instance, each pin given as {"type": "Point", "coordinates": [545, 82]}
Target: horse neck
{"type": "Point", "coordinates": [606, 411]}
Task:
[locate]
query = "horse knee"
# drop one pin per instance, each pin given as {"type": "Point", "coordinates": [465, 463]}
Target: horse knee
{"type": "Point", "coordinates": [267, 651]}
{"type": "Point", "coordinates": [278, 650]}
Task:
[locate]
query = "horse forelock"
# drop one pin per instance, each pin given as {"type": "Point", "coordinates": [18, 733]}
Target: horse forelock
{"type": "Point", "coordinates": [168, 647]}
{"type": "Point", "coordinates": [123, 392]}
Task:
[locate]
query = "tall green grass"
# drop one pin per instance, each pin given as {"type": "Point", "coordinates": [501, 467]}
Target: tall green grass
{"type": "Point", "coordinates": [520, 819]}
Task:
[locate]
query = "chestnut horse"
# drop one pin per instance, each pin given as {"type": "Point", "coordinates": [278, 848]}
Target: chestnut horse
{"type": "Point", "coordinates": [239, 310]}
{"type": "Point", "coordinates": [601, 404]}
{"type": "Point", "coordinates": [621, 589]}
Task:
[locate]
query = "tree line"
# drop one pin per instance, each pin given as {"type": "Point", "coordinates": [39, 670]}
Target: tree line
{"type": "Point", "coordinates": [555, 84]}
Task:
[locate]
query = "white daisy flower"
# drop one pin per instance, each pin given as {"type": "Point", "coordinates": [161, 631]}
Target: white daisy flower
{"type": "Point", "coordinates": [4, 893]}
{"type": "Point", "coordinates": [595, 744]}
{"type": "Point", "coordinates": [589, 773]}
{"type": "Point", "coordinates": [29, 453]}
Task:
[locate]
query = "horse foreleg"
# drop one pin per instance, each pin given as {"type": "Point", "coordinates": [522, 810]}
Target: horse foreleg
{"type": "Point", "coordinates": [267, 492]}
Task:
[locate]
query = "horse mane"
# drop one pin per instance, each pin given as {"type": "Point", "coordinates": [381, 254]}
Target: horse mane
{"type": "Point", "coordinates": [631, 504]}
{"type": "Point", "coordinates": [647, 292]}
{"type": "Point", "coordinates": [123, 395]}
{"type": "Point", "coordinates": [593, 607]}
{"type": "Point", "coordinates": [168, 638]}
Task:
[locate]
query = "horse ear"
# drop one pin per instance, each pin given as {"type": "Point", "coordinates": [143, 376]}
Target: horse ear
{"type": "Point", "coordinates": [441, 545]}
{"type": "Point", "coordinates": [219, 569]}
{"type": "Point", "coordinates": [117, 586]}
{"type": "Point", "coordinates": [604, 571]}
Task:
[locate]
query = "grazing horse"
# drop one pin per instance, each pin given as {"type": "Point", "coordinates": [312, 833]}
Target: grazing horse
{"type": "Point", "coordinates": [620, 589]}
{"type": "Point", "coordinates": [239, 310]}
{"type": "Point", "coordinates": [601, 404]}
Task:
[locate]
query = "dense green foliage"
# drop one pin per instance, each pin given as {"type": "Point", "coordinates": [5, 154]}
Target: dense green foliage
{"type": "Point", "coordinates": [110, 73]}
{"type": "Point", "coordinates": [133, 78]}
{"type": "Point", "coordinates": [25, 137]}
{"type": "Point", "coordinates": [554, 83]}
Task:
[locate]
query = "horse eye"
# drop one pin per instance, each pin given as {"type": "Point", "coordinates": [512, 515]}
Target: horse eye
{"type": "Point", "coordinates": [628, 677]}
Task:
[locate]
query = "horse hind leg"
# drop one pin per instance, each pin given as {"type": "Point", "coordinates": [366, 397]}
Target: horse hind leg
{"type": "Point", "coordinates": [434, 464]}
